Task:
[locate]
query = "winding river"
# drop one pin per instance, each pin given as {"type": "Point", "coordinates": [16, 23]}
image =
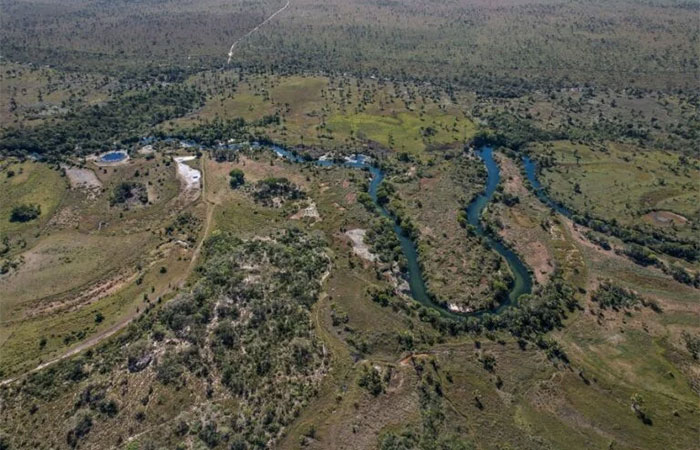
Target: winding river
{"type": "Point", "coordinates": [522, 280]}
{"type": "Point", "coordinates": [531, 173]}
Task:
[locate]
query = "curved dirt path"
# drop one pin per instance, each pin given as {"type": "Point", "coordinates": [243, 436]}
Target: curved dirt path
{"type": "Point", "coordinates": [99, 337]}
{"type": "Point", "coordinates": [207, 221]}
{"type": "Point", "coordinates": [233, 46]}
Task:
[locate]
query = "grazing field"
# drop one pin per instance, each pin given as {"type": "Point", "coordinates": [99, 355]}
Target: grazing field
{"type": "Point", "coordinates": [63, 262]}
{"type": "Point", "coordinates": [28, 183]}
{"type": "Point", "coordinates": [624, 183]}
{"type": "Point", "coordinates": [31, 95]}
{"type": "Point", "coordinates": [343, 113]}
{"type": "Point", "coordinates": [336, 238]}
{"type": "Point", "coordinates": [87, 253]}
{"type": "Point", "coordinates": [459, 269]}
{"type": "Point", "coordinates": [385, 374]}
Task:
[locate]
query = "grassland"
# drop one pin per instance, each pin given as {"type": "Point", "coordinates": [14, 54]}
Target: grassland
{"type": "Point", "coordinates": [521, 399]}
{"type": "Point", "coordinates": [29, 183]}
{"type": "Point", "coordinates": [459, 269]}
{"type": "Point", "coordinates": [528, 227]}
{"type": "Point", "coordinates": [331, 113]}
{"type": "Point", "coordinates": [624, 183]}
{"type": "Point", "coordinates": [32, 95]}
{"type": "Point", "coordinates": [525, 400]}
{"type": "Point", "coordinates": [86, 256]}
{"type": "Point", "coordinates": [275, 333]}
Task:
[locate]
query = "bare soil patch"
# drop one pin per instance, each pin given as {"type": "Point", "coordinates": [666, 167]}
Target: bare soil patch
{"type": "Point", "coordinates": [357, 237]}
{"type": "Point", "coordinates": [82, 178]}
{"type": "Point", "coordinates": [310, 211]}
{"type": "Point", "coordinates": [190, 177]}
{"type": "Point", "coordinates": [664, 218]}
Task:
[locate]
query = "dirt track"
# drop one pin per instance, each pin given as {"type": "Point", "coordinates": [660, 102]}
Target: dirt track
{"type": "Point", "coordinates": [96, 339]}
{"type": "Point", "coordinates": [233, 46]}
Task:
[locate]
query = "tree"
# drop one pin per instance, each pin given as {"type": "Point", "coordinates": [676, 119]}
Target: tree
{"type": "Point", "coordinates": [81, 429]}
{"type": "Point", "coordinates": [639, 408]}
{"type": "Point", "coordinates": [370, 380]}
{"type": "Point", "coordinates": [25, 213]}
{"type": "Point", "coordinates": [237, 178]}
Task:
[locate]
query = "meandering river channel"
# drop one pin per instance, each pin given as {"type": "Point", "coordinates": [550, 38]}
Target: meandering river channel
{"type": "Point", "coordinates": [522, 281]}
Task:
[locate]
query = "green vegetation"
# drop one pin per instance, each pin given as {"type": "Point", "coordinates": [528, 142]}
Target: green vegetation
{"type": "Point", "coordinates": [628, 193]}
{"type": "Point", "coordinates": [237, 178]}
{"type": "Point", "coordinates": [249, 314]}
{"type": "Point", "coordinates": [32, 184]}
{"type": "Point", "coordinates": [692, 343]}
{"type": "Point", "coordinates": [371, 380]}
{"type": "Point", "coordinates": [276, 334]}
{"type": "Point", "coordinates": [623, 184]}
{"type": "Point", "coordinates": [404, 132]}
{"type": "Point", "coordinates": [274, 191]}
{"type": "Point", "coordinates": [427, 198]}
{"type": "Point", "coordinates": [384, 243]}
{"type": "Point", "coordinates": [123, 119]}
{"type": "Point", "coordinates": [609, 295]}
{"type": "Point", "coordinates": [562, 44]}
{"type": "Point", "coordinates": [25, 213]}
{"type": "Point", "coordinates": [34, 95]}
{"type": "Point", "coordinates": [126, 191]}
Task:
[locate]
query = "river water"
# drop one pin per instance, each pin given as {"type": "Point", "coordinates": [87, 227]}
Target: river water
{"type": "Point", "coordinates": [531, 173]}
{"type": "Point", "coordinates": [522, 280]}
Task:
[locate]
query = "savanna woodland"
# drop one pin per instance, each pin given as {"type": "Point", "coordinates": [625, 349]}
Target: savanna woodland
{"type": "Point", "coordinates": [349, 224]}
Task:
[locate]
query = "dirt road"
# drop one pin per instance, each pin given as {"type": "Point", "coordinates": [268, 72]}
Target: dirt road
{"type": "Point", "coordinates": [233, 46]}
{"type": "Point", "coordinates": [96, 339]}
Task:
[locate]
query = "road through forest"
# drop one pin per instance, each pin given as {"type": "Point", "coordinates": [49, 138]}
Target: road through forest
{"type": "Point", "coordinates": [233, 46]}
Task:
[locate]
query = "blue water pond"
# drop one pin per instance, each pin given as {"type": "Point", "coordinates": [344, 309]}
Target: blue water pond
{"type": "Point", "coordinates": [113, 157]}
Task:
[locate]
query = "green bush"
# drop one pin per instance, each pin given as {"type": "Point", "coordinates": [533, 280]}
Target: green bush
{"type": "Point", "coordinates": [127, 190]}
{"type": "Point", "coordinates": [370, 380]}
{"type": "Point", "coordinates": [609, 295]}
{"type": "Point", "coordinates": [237, 178]}
{"type": "Point", "coordinates": [25, 213]}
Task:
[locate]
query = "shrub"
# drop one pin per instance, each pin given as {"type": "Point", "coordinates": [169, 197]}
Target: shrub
{"type": "Point", "coordinates": [370, 380]}
{"type": "Point", "coordinates": [25, 213]}
{"type": "Point", "coordinates": [237, 178]}
{"type": "Point", "coordinates": [639, 408]}
{"type": "Point", "coordinates": [609, 295]}
{"type": "Point", "coordinates": [209, 435]}
{"type": "Point", "coordinates": [276, 188]}
{"type": "Point", "coordinates": [169, 370]}
{"type": "Point", "coordinates": [109, 407]}
{"type": "Point", "coordinates": [128, 190]}
{"type": "Point", "coordinates": [692, 343]}
{"type": "Point", "coordinates": [82, 428]}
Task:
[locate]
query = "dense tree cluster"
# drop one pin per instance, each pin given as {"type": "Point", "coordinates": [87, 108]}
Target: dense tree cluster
{"type": "Point", "coordinates": [127, 191]}
{"type": "Point", "coordinates": [253, 295]}
{"type": "Point", "coordinates": [384, 243]}
{"type": "Point", "coordinates": [122, 120]}
{"type": "Point", "coordinates": [611, 295]}
{"type": "Point", "coordinates": [25, 213]}
{"type": "Point", "coordinates": [274, 191]}
{"type": "Point", "coordinates": [236, 178]}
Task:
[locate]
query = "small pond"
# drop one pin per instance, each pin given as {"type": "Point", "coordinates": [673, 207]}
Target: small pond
{"type": "Point", "coordinates": [113, 157]}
